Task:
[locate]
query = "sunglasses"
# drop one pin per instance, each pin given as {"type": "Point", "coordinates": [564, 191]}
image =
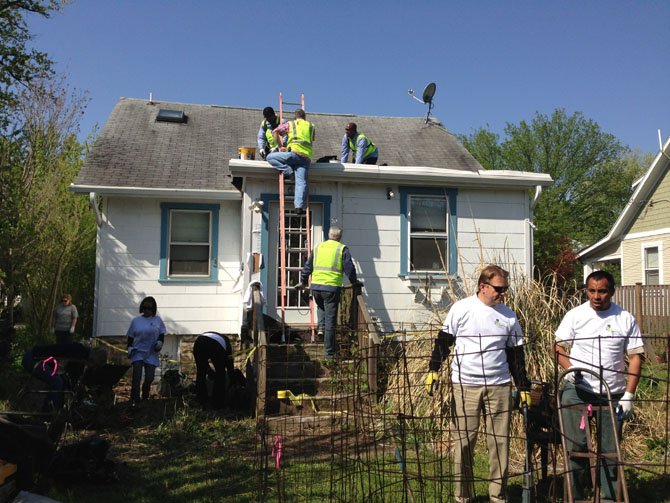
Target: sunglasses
{"type": "Point", "coordinates": [498, 289]}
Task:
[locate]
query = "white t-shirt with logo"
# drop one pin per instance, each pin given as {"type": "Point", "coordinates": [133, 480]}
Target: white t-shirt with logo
{"type": "Point", "coordinates": [600, 338]}
{"type": "Point", "coordinates": [482, 333]}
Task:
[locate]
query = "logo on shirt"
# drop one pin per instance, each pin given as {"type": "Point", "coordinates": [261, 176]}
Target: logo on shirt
{"type": "Point", "coordinates": [611, 331]}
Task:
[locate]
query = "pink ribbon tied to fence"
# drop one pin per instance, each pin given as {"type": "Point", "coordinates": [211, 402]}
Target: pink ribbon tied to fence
{"type": "Point", "coordinates": [277, 451]}
{"type": "Point", "coordinates": [47, 360]}
{"type": "Point", "coordinates": [589, 413]}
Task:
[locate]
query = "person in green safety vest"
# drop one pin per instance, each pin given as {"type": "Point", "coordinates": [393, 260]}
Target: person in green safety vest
{"type": "Point", "coordinates": [296, 156]}
{"type": "Point", "coordinates": [364, 151]}
{"type": "Point", "coordinates": [328, 263]}
{"type": "Point", "coordinates": [265, 140]}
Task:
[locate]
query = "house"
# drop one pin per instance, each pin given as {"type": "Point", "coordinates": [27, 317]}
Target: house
{"type": "Point", "coordinates": [639, 241]}
{"type": "Point", "coordinates": [182, 219]}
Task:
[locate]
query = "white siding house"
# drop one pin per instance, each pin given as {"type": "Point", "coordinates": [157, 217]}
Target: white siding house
{"type": "Point", "coordinates": [180, 217]}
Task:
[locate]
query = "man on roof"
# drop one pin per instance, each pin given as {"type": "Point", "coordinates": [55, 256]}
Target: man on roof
{"type": "Point", "coordinates": [364, 151]}
{"type": "Point", "coordinates": [296, 156]}
{"type": "Point", "coordinates": [266, 142]}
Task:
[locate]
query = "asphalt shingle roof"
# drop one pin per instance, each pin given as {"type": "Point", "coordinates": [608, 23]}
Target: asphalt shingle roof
{"type": "Point", "coordinates": [134, 150]}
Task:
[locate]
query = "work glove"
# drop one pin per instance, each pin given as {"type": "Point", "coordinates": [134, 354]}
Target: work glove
{"type": "Point", "coordinates": [432, 382]}
{"type": "Point", "coordinates": [524, 397]}
{"type": "Point", "coordinates": [158, 346]}
{"type": "Point", "coordinates": [300, 286]}
{"type": "Point", "coordinates": [131, 349]}
{"type": "Point", "coordinates": [574, 377]}
{"type": "Point", "coordinates": [625, 406]}
{"type": "Point", "coordinates": [357, 284]}
{"type": "Point", "coordinates": [261, 153]}
{"type": "Point", "coordinates": [273, 150]}
{"type": "Point", "coordinates": [71, 330]}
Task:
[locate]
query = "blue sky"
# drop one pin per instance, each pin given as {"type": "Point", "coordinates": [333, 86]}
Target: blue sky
{"type": "Point", "coordinates": [493, 61]}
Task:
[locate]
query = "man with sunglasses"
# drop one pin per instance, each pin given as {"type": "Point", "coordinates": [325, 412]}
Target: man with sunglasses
{"type": "Point", "coordinates": [487, 353]}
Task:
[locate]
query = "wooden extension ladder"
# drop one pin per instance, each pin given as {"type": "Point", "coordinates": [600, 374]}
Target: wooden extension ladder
{"type": "Point", "coordinates": [282, 237]}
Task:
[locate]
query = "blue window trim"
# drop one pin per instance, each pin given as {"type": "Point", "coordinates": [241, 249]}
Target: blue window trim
{"type": "Point", "coordinates": [165, 220]}
{"type": "Point", "coordinates": [405, 192]}
{"type": "Point", "coordinates": [267, 198]}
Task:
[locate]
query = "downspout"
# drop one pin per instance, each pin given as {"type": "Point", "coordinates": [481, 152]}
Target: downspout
{"type": "Point", "coordinates": [93, 203]}
{"type": "Point", "coordinates": [529, 229]}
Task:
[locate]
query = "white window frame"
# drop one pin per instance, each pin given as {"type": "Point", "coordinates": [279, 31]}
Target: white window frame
{"type": "Point", "coordinates": [167, 212]}
{"type": "Point", "coordinates": [449, 196]}
{"type": "Point", "coordinates": [644, 247]}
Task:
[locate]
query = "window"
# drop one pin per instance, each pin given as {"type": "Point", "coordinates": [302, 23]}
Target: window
{"type": "Point", "coordinates": [651, 270]}
{"type": "Point", "coordinates": [165, 115]}
{"type": "Point", "coordinates": [189, 241]}
{"type": "Point", "coordinates": [428, 233]}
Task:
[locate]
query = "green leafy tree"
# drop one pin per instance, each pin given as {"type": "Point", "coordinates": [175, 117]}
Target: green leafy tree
{"type": "Point", "coordinates": [592, 175]}
{"type": "Point", "coordinates": [20, 64]}
{"type": "Point", "coordinates": [45, 229]}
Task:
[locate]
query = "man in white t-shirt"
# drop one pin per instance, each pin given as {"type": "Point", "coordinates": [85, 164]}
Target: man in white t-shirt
{"type": "Point", "coordinates": [487, 352]}
{"type": "Point", "coordinates": [598, 335]}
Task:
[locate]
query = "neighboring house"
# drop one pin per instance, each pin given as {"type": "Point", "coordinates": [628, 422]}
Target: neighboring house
{"type": "Point", "coordinates": [639, 241]}
{"type": "Point", "coordinates": [180, 217]}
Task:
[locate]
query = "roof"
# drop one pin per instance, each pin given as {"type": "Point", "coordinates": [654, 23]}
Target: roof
{"type": "Point", "coordinates": [644, 188]}
{"type": "Point", "coordinates": [134, 150]}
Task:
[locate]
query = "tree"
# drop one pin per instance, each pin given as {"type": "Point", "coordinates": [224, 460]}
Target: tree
{"type": "Point", "coordinates": [592, 175]}
{"type": "Point", "coordinates": [19, 64]}
{"type": "Point", "coordinates": [43, 227]}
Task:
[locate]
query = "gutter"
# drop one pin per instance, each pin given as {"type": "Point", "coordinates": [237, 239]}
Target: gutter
{"type": "Point", "coordinates": [406, 175]}
{"type": "Point", "coordinates": [230, 195]}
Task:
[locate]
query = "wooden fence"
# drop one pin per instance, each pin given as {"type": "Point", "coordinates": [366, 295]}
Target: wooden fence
{"type": "Point", "coordinates": [649, 303]}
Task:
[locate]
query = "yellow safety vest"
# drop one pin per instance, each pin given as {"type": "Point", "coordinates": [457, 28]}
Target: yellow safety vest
{"type": "Point", "coordinates": [300, 137]}
{"type": "Point", "coordinates": [353, 146]}
{"type": "Point", "coordinates": [267, 127]}
{"type": "Point", "coordinates": [327, 263]}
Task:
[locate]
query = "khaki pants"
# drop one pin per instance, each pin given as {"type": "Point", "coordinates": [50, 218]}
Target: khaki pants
{"type": "Point", "coordinates": [469, 402]}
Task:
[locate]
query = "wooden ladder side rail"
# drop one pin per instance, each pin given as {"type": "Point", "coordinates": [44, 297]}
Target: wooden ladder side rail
{"type": "Point", "coordinates": [282, 103]}
{"type": "Point", "coordinates": [260, 360]}
{"type": "Point", "coordinates": [591, 454]}
{"type": "Point", "coordinates": [282, 256]}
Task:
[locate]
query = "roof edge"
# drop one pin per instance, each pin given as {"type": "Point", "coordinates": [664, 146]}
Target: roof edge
{"type": "Point", "coordinates": [645, 185]}
{"type": "Point", "coordinates": [231, 195]}
{"type": "Point", "coordinates": [412, 175]}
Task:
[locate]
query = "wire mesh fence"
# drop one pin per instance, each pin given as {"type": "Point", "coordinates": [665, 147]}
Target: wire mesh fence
{"type": "Point", "coordinates": [333, 435]}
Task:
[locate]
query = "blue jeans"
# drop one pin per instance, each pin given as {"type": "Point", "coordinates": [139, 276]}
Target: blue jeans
{"type": "Point", "coordinates": [290, 163]}
{"type": "Point", "coordinates": [327, 304]}
{"type": "Point", "coordinates": [149, 373]}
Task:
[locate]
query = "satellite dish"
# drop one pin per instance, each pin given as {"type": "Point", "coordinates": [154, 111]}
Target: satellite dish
{"type": "Point", "coordinates": [427, 97]}
{"type": "Point", "coordinates": [429, 92]}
